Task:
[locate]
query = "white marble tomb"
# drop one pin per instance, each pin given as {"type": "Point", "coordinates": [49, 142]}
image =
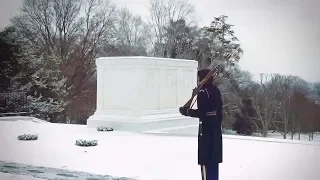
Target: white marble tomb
{"type": "Point", "coordinates": [133, 90]}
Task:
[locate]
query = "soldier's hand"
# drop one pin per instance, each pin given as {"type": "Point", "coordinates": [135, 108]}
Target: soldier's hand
{"type": "Point", "coordinates": [183, 111]}
{"type": "Point", "coordinates": [193, 90]}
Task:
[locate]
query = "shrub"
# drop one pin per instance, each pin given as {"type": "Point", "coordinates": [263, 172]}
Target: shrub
{"type": "Point", "coordinates": [104, 128]}
{"type": "Point", "coordinates": [229, 132]}
{"type": "Point", "coordinates": [86, 143]}
{"type": "Point", "coordinates": [243, 126]}
{"type": "Point", "coordinates": [28, 137]}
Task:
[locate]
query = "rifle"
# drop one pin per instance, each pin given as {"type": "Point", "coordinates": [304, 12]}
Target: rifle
{"type": "Point", "coordinates": [212, 72]}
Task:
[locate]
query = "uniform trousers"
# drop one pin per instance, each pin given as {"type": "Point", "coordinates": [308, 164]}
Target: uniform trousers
{"type": "Point", "coordinates": [210, 172]}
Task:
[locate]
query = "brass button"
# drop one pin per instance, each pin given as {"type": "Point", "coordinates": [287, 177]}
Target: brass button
{"type": "Point", "coordinates": [200, 134]}
{"type": "Point", "coordinates": [200, 122]}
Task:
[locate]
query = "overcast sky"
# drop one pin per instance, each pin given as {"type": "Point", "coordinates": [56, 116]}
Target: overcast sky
{"type": "Point", "coordinates": [278, 36]}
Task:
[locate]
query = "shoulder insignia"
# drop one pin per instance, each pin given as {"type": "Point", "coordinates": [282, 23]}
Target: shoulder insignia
{"type": "Point", "coordinates": [205, 90]}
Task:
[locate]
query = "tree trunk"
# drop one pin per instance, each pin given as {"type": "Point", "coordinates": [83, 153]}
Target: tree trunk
{"type": "Point", "coordinates": [309, 136]}
{"type": "Point", "coordinates": [285, 132]}
{"type": "Point", "coordinates": [299, 132]}
{"type": "Point", "coordinates": [293, 128]}
{"type": "Point", "coordinates": [265, 131]}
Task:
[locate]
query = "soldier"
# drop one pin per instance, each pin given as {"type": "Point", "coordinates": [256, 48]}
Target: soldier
{"type": "Point", "coordinates": [209, 112]}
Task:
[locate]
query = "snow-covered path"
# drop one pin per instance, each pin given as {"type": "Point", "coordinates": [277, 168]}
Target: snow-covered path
{"type": "Point", "coordinates": [27, 171]}
{"type": "Point", "coordinates": [6, 176]}
{"type": "Point", "coordinates": [150, 157]}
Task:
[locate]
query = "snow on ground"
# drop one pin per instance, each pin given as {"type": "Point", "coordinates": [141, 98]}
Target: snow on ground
{"type": "Point", "coordinates": [192, 130]}
{"type": "Point", "coordinates": [6, 176]}
{"type": "Point", "coordinates": [303, 137]}
{"type": "Point", "coordinates": [51, 173]}
{"type": "Point", "coordinates": [22, 118]}
{"type": "Point", "coordinates": [151, 157]}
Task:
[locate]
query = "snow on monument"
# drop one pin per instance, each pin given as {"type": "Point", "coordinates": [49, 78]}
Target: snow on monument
{"type": "Point", "coordinates": [134, 90]}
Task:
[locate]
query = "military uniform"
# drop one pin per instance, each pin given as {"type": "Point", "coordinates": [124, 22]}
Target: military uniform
{"type": "Point", "coordinates": [209, 112]}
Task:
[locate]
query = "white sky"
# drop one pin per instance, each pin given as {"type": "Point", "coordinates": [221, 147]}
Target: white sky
{"type": "Point", "coordinates": [278, 36]}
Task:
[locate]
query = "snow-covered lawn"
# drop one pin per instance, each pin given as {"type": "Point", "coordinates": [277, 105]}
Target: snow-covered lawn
{"type": "Point", "coordinates": [192, 130]}
{"type": "Point", "coordinates": [303, 137]}
{"type": "Point", "coordinates": [153, 157]}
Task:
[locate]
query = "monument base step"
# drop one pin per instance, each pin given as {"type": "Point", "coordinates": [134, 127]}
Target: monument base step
{"type": "Point", "coordinates": [140, 124]}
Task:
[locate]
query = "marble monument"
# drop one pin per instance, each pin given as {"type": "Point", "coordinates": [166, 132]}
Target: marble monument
{"type": "Point", "coordinates": [135, 90]}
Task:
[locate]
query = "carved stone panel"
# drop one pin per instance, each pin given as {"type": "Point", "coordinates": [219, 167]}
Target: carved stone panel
{"type": "Point", "coordinates": [169, 80]}
{"type": "Point", "coordinates": [168, 88]}
{"type": "Point", "coordinates": [187, 78]}
{"type": "Point", "coordinates": [151, 77]}
{"type": "Point", "coordinates": [151, 91]}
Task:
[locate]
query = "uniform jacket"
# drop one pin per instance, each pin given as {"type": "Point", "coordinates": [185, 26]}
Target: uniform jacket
{"type": "Point", "coordinates": [209, 112]}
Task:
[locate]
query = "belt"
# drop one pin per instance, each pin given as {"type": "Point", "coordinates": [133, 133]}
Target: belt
{"type": "Point", "coordinates": [212, 113]}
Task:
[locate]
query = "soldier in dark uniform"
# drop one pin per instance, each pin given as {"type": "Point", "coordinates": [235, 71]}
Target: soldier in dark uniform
{"type": "Point", "coordinates": [209, 112]}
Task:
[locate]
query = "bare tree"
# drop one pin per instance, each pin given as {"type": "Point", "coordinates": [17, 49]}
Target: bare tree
{"type": "Point", "coordinates": [71, 32]}
{"type": "Point", "coordinates": [130, 30]}
{"type": "Point", "coordinates": [306, 112]}
{"type": "Point", "coordinates": [70, 29]}
{"type": "Point", "coordinates": [265, 104]}
{"type": "Point", "coordinates": [179, 38]}
{"type": "Point", "coordinates": [300, 88]}
{"type": "Point", "coordinates": [283, 88]}
{"type": "Point", "coordinates": [162, 15]}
